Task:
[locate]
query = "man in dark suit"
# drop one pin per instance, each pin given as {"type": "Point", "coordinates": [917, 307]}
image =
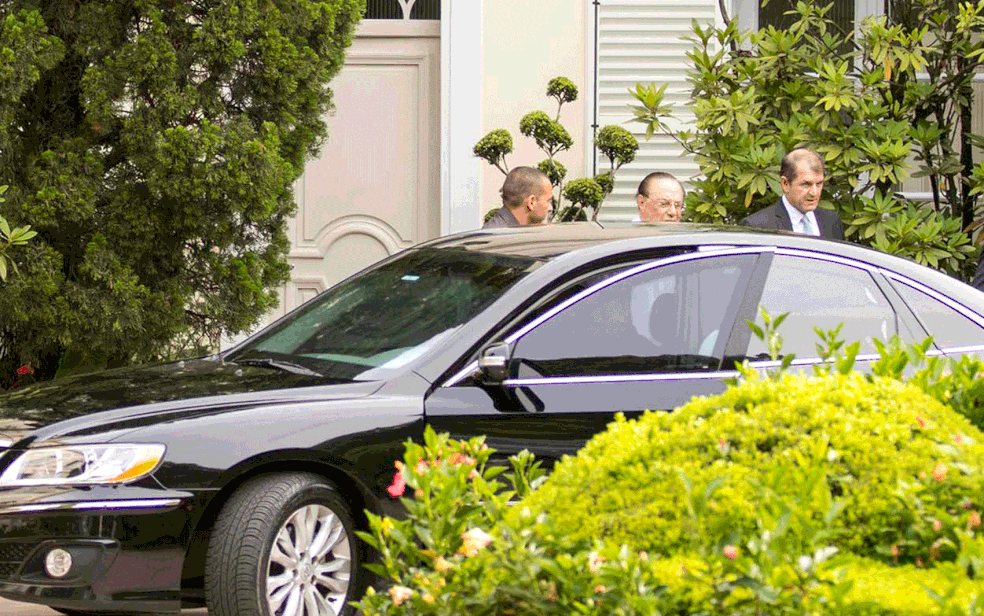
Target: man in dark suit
{"type": "Point", "coordinates": [801, 176]}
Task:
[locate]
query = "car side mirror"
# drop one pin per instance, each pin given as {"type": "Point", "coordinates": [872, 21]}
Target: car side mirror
{"type": "Point", "coordinates": [493, 362]}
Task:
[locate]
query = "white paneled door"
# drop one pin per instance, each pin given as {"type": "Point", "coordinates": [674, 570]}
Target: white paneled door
{"type": "Point", "coordinates": [375, 187]}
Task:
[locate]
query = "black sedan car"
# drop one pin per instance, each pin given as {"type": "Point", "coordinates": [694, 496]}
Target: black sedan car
{"type": "Point", "coordinates": [237, 481]}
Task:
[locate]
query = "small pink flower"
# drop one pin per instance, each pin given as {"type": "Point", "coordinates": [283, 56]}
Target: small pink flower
{"type": "Point", "coordinates": [25, 369]}
{"type": "Point", "coordinates": [974, 519]}
{"type": "Point", "coordinates": [595, 560]}
{"type": "Point", "coordinates": [600, 588]}
{"type": "Point", "coordinates": [421, 467]}
{"type": "Point", "coordinates": [939, 472]}
{"type": "Point", "coordinates": [937, 525]}
{"type": "Point", "coordinates": [473, 541]}
{"type": "Point", "coordinates": [921, 422]}
{"type": "Point", "coordinates": [958, 439]}
{"type": "Point", "coordinates": [399, 594]}
{"type": "Point", "coordinates": [722, 445]}
{"type": "Point", "coordinates": [399, 484]}
{"type": "Point", "coordinates": [730, 552]}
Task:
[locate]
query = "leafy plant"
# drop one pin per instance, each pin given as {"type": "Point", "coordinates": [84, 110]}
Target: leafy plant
{"type": "Point", "coordinates": [9, 238]}
{"type": "Point", "coordinates": [892, 101]}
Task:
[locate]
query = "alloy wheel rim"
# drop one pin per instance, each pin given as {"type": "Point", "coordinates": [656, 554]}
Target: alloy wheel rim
{"type": "Point", "coordinates": [309, 571]}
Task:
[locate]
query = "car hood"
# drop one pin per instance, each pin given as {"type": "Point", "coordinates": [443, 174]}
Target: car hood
{"type": "Point", "coordinates": [129, 398]}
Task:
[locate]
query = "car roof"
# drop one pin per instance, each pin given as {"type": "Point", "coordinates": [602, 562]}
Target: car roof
{"type": "Point", "coordinates": [586, 241]}
{"type": "Point", "coordinates": [551, 241]}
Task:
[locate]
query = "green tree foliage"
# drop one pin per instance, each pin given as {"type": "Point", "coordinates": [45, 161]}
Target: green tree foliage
{"type": "Point", "coordinates": [585, 194]}
{"type": "Point", "coordinates": [153, 146]}
{"type": "Point", "coordinates": [890, 103]}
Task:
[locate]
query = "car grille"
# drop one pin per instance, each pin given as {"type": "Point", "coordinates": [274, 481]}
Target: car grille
{"type": "Point", "coordinates": [12, 555]}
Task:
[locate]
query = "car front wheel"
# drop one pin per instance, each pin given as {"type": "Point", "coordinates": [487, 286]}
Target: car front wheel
{"type": "Point", "coordinates": [283, 545]}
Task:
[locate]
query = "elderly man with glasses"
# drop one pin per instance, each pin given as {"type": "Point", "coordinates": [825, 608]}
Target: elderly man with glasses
{"type": "Point", "coordinates": [660, 198]}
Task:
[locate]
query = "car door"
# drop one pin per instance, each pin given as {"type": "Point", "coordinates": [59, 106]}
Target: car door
{"type": "Point", "coordinates": [649, 337]}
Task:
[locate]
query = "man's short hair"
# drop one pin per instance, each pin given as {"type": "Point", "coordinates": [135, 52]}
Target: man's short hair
{"type": "Point", "coordinates": [655, 176]}
{"type": "Point", "coordinates": [521, 182]}
{"type": "Point", "coordinates": [792, 160]}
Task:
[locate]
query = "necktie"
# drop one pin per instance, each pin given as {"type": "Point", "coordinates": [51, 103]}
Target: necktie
{"type": "Point", "coordinates": [808, 226]}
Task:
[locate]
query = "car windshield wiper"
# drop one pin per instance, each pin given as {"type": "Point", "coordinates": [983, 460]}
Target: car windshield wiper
{"type": "Point", "coordinates": [277, 364]}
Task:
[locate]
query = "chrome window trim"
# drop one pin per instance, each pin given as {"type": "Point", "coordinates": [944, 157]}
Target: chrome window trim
{"type": "Point", "coordinates": [823, 256]}
{"type": "Point", "coordinates": [120, 505]}
{"type": "Point", "coordinates": [967, 312]}
{"type": "Point", "coordinates": [462, 374]}
{"type": "Point", "coordinates": [621, 378]}
{"type": "Point", "coordinates": [966, 349]}
{"type": "Point", "coordinates": [716, 252]}
{"type": "Point", "coordinates": [761, 364]}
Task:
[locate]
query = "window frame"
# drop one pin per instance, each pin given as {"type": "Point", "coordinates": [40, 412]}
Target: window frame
{"type": "Point", "coordinates": [728, 319]}
{"type": "Point", "coordinates": [898, 279]}
{"type": "Point", "coordinates": [747, 12]}
{"type": "Point", "coordinates": [884, 279]}
{"type": "Point", "coordinates": [874, 275]}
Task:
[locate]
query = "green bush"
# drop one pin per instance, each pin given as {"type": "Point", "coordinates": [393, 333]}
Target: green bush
{"type": "Point", "coordinates": [840, 494]}
{"type": "Point", "coordinates": [899, 459]}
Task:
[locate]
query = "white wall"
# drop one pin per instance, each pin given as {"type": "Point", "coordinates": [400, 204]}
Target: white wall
{"type": "Point", "coordinates": [525, 45]}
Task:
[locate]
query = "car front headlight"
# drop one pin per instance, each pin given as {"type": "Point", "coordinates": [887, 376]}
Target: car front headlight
{"type": "Point", "coordinates": [83, 464]}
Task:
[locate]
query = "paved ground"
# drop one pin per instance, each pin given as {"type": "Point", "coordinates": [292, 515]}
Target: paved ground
{"type": "Point", "coordinates": [11, 608]}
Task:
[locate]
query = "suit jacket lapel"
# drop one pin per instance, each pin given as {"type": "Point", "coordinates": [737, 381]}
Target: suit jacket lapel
{"type": "Point", "coordinates": [825, 223]}
{"type": "Point", "coordinates": [782, 217]}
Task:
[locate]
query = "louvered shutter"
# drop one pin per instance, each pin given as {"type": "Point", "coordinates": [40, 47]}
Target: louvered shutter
{"type": "Point", "coordinates": [642, 41]}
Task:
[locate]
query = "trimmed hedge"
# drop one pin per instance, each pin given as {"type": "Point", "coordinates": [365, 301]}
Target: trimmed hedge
{"type": "Point", "coordinates": [902, 461]}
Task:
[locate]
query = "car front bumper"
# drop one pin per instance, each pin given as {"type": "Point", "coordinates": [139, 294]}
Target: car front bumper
{"type": "Point", "coordinates": [127, 545]}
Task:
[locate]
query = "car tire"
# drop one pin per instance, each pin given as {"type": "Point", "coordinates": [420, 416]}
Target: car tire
{"type": "Point", "coordinates": [283, 544]}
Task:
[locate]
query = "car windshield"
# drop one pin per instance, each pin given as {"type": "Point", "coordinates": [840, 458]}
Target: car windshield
{"type": "Point", "coordinates": [387, 316]}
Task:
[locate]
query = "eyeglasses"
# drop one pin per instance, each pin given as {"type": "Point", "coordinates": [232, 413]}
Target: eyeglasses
{"type": "Point", "coordinates": [665, 204]}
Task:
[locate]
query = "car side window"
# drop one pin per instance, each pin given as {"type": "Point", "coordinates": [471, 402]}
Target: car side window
{"type": "Point", "coordinates": [667, 319]}
{"type": "Point", "coordinates": [822, 294]}
{"type": "Point", "coordinates": [948, 326]}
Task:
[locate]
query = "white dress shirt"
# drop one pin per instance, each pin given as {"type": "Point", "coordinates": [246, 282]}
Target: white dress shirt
{"type": "Point", "coordinates": [797, 218]}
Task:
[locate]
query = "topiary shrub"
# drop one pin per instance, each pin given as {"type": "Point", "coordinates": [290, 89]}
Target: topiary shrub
{"type": "Point", "coordinates": [906, 467]}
